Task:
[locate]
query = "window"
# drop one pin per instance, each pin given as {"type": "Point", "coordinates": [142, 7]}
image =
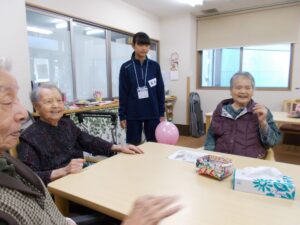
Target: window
{"type": "Point", "coordinates": [50, 52]}
{"type": "Point", "coordinates": [78, 56]}
{"type": "Point", "coordinates": [121, 51]}
{"type": "Point", "coordinates": [269, 64]}
{"type": "Point", "coordinates": [89, 60]}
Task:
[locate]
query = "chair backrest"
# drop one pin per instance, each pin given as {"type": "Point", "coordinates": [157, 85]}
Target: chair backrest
{"type": "Point", "coordinates": [290, 104]}
{"type": "Point", "coordinates": [13, 152]}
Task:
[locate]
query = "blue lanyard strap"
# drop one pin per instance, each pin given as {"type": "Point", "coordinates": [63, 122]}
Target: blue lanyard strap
{"type": "Point", "coordinates": [146, 72]}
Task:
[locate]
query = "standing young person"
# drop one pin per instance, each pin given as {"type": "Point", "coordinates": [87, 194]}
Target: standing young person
{"type": "Point", "coordinates": [141, 93]}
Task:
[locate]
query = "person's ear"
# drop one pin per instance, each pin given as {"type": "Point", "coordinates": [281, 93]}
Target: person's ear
{"type": "Point", "coordinates": [36, 106]}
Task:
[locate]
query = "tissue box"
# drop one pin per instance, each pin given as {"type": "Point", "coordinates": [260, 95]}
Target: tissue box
{"type": "Point", "coordinates": [264, 181]}
{"type": "Point", "coordinates": [214, 166]}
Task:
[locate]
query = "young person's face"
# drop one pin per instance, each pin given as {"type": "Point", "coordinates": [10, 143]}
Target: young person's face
{"type": "Point", "coordinates": [12, 113]}
{"type": "Point", "coordinates": [141, 50]}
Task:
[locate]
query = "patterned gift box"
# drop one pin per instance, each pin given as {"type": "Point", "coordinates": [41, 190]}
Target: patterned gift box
{"type": "Point", "coordinates": [214, 166]}
{"type": "Point", "coordinates": [265, 181]}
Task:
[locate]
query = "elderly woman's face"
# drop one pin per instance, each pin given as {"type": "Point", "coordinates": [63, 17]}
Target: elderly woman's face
{"type": "Point", "coordinates": [12, 113]}
{"type": "Point", "coordinates": [241, 92]}
{"type": "Point", "coordinates": [50, 106]}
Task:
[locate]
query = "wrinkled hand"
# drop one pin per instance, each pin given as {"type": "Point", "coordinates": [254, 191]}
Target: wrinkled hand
{"type": "Point", "coordinates": [74, 166]}
{"type": "Point", "coordinates": [128, 149]}
{"type": "Point", "coordinates": [70, 221]}
{"type": "Point", "coordinates": [261, 112]}
{"type": "Point", "coordinates": [150, 210]}
{"type": "Point", "coordinates": [123, 124]}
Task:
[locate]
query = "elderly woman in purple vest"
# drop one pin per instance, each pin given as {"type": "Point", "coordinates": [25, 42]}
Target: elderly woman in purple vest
{"type": "Point", "coordinates": [241, 126]}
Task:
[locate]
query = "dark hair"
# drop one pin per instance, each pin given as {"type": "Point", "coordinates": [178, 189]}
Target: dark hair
{"type": "Point", "coordinates": [242, 74]}
{"type": "Point", "coordinates": [141, 38]}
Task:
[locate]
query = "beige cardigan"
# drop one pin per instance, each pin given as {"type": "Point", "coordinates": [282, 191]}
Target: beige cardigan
{"type": "Point", "coordinates": [26, 202]}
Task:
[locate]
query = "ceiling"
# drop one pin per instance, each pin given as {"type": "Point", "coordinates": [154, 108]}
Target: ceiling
{"type": "Point", "coordinates": [168, 8]}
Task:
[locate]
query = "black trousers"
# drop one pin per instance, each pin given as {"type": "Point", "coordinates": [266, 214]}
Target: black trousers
{"type": "Point", "coordinates": [135, 128]}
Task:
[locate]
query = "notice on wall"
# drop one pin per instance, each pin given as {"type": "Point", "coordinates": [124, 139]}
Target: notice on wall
{"type": "Point", "coordinates": [174, 75]}
{"type": "Point", "coordinates": [174, 63]}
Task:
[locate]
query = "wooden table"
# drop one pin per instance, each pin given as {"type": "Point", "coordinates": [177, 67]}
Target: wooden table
{"type": "Point", "coordinates": [279, 118]}
{"type": "Point", "coordinates": [112, 185]}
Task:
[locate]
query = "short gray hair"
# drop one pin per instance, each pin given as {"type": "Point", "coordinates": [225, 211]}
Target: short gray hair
{"type": "Point", "coordinates": [35, 94]}
{"type": "Point", "coordinates": [5, 64]}
{"type": "Point", "coordinates": [242, 74]}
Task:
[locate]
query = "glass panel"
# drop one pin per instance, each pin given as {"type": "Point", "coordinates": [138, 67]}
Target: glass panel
{"type": "Point", "coordinates": [121, 51]}
{"type": "Point", "coordinates": [49, 49]}
{"type": "Point", "coordinates": [207, 68]}
{"type": "Point", "coordinates": [218, 65]}
{"type": "Point", "coordinates": [152, 54]}
{"type": "Point", "coordinates": [268, 64]}
{"type": "Point", "coordinates": [230, 65]}
{"type": "Point", "coordinates": [90, 60]}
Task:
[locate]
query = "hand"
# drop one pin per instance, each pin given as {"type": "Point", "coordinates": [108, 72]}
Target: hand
{"type": "Point", "coordinates": [123, 124]}
{"type": "Point", "coordinates": [150, 210]}
{"type": "Point", "coordinates": [128, 149]}
{"type": "Point", "coordinates": [261, 112]}
{"type": "Point", "coordinates": [162, 118]}
{"type": "Point", "coordinates": [70, 221]}
{"type": "Point", "coordinates": [74, 166]}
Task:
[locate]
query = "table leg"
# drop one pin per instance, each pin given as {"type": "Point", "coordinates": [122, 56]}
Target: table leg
{"type": "Point", "coordinates": [62, 204]}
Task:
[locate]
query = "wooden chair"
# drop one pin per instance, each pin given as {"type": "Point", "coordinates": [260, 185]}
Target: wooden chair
{"type": "Point", "coordinates": [270, 156]}
{"type": "Point", "coordinates": [289, 104]}
{"type": "Point", "coordinates": [13, 152]}
{"type": "Point", "coordinates": [290, 132]}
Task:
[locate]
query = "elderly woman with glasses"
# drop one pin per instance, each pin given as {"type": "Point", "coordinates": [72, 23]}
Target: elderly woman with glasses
{"type": "Point", "coordinates": [24, 199]}
{"type": "Point", "coordinates": [241, 126]}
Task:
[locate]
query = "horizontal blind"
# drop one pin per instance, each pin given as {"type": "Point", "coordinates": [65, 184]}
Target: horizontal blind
{"type": "Point", "coordinates": [269, 26]}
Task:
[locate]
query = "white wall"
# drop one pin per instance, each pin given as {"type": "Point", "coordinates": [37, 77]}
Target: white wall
{"type": "Point", "coordinates": [113, 13]}
{"type": "Point", "coordinates": [14, 45]}
{"type": "Point", "coordinates": [178, 34]}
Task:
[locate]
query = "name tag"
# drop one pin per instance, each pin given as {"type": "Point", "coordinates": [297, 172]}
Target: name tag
{"type": "Point", "coordinates": [142, 92]}
{"type": "Point", "coordinates": [152, 82]}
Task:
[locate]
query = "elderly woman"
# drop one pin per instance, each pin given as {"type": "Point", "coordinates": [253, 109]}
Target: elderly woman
{"type": "Point", "coordinates": [53, 146]}
{"type": "Point", "coordinates": [24, 200]}
{"type": "Point", "coordinates": [241, 126]}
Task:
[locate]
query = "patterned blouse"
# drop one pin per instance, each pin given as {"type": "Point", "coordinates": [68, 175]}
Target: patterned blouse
{"type": "Point", "coordinates": [44, 147]}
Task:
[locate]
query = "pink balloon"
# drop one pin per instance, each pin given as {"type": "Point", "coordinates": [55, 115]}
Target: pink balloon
{"type": "Point", "coordinates": [166, 133]}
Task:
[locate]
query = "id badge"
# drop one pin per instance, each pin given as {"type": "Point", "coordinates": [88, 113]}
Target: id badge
{"type": "Point", "coordinates": [142, 92]}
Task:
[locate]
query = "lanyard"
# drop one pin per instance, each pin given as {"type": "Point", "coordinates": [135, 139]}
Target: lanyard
{"type": "Point", "coordinates": [146, 72]}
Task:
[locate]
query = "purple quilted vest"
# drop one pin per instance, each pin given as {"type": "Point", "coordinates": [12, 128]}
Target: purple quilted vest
{"type": "Point", "coordinates": [240, 136]}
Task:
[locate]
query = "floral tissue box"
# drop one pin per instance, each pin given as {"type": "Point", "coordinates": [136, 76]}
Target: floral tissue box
{"type": "Point", "coordinates": [267, 181]}
{"type": "Point", "coordinates": [214, 166]}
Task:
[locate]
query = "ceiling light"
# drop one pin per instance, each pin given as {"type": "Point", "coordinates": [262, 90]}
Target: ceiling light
{"type": "Point", "coordinates": [39, 30]}
{"type": "Point", "coordinates": [192, 3]}
{"type": "Point", "coordinates": [94, 31]}
{"type": "Point", "coordinates": [61, 25]}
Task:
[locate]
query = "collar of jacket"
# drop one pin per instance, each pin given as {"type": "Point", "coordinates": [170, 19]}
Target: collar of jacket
{"type": "Point", "coordinates": [218, 110]}
{"type": "Point", "coordinates": [23, 171]}
{"type": "Point", "coordinates": [136, 60]}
